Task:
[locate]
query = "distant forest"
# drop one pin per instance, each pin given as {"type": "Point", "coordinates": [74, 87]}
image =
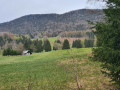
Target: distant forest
{"type": "Point", "coordinates": [52, 25]}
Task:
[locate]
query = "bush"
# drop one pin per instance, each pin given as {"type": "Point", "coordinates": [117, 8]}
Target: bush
{"type": "Point", "coordinates": [10, 52]}
{"type": "Point", "coordinates": [57, 46]}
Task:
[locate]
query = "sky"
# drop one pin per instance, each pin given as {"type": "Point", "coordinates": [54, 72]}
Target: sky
{"type": "Point", "coordinates": [12, 9]}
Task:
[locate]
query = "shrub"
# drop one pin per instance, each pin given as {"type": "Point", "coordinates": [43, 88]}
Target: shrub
{"type": "Point", "coordinates": [9, 51]}
{"type": "Point", "coordinates": [57, 46]}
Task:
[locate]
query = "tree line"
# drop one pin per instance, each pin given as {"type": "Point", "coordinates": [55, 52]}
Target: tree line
{"type": "Point", "coordinates": [78, 34]}
{"type": "Point", "coordinates": [86, 44]}
{"type": "Point", "coordinates": [38, 46]}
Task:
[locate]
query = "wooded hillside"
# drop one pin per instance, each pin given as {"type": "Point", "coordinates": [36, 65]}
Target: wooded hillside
{"type": "Point", "coordinates": [71, 21]}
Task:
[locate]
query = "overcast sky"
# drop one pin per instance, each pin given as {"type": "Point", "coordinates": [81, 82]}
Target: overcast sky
{"type": "Point", "coordinates": [11, 9]}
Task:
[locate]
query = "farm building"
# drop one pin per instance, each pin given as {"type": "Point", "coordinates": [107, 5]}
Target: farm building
{"type": "Point", "coordinates": [27, 52]}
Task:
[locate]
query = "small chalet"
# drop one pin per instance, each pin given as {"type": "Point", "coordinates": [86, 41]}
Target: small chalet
{"type": "Point", "coordinates": [27, 52]}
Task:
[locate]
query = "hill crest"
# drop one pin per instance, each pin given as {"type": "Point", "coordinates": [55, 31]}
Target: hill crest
{"type": "Point", "coordinates": [70, 21]}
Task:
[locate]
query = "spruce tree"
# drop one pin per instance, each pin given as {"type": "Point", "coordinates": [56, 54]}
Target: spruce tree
{"type": "Point", "coordinates": [4, 53]}
{"type": "Point", "coordinates": [108, 41]}
{"type": "Point", "coordinates": [88, 43]}
{"type": "Point", "coordinates": [66, 44]}
{"type": "Point", "coordinates": [78, 44]}
{"type": "Point", "coordinates": [26, 44]}
{"type": "Point", "coordinates": [58, 41]}
{"type": "Point", "coordinates": [8, 51]}
{"type": "Point", "coordinates": [39, 46]}
{"type": "Point", "coordinates": [73, 44]}
{"type": "Point", "coordinates": [47, 45]}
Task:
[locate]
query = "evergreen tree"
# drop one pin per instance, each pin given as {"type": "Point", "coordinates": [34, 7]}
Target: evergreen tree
{"type": "Point", "coordinates": [88, 43]}
{"type": "Point", "coordinates": [54, 48]}
{"type": "Point", "coordinates": [39, 46]}
{"type": "Point", "coordinates": [58, 41]}
{"type": "Point", "coordinates": [47, 45]}
{"type": "Point", "coordinates": [4, 53]}
{"type": "Point", "coordinates": [73, 44]}
{"type": "Point", "coordinates": [66, 44]}
{"type": "Point", "coordinates": [8, 51]}
{"type": "Point", "coordinates": [2, 41]}
{"type": "Point", "coordinates": [26, 44]}
{"type": "Point", "coordinates": [78, 44]}
{"type": "Point", "coordinates": [108, 41]}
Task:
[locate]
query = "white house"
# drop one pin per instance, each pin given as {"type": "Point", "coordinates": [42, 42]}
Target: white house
{"type": "Point", "coordinates": [26, 52]}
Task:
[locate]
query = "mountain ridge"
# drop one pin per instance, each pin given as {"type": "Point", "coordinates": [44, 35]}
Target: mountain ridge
{"type": "Point", "coordinates": [69, 21]}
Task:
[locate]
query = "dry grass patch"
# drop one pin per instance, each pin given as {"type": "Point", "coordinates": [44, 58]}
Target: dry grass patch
{"type": "Point", "coordinates": [89, 75]}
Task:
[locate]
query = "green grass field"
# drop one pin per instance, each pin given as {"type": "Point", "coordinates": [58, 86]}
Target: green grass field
{"type": "Point", "coordinates": [52, 40]}
{"type": "Point", "coordinates": [53, 70]}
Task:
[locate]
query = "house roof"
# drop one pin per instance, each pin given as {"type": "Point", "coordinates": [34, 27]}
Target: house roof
{"type": "Point", "coordinates": [25, 51]}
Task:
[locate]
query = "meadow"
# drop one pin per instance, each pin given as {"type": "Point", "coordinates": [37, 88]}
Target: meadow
{"type": "Point", "coordinates": [53, 70]}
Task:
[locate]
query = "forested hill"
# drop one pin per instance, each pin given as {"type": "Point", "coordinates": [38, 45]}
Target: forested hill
{"type": "Point", "coordinates": [74, 20]}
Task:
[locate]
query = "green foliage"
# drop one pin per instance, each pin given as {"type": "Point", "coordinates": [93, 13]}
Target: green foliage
{"type": "Point", "coordinates": [2, 41]}
{"type": "Point", "coordinates": [52, 24]}
{"type": "Point", "coordinates": [73, 44]}
{"type": "Point", "coordinates": [9, 51]}
{"type": "Point", "coordinates": [66, 44]}
{"type": "Point", "coordinates": [47, 45]}
{"type": "Point", "coordinates": [77, 44]}
{"type": "Point", "coordinates": [78, 34]}
{"type": "Point", "coordinates": [88, 43]}
{"type": "Point", "coordinates": [111, 60]}
{"type": "Point", "coordinates": [57, 45]}
{"type": "Point", "coordinates": [90, 35]}
{"type": "Point", "coordinates": [54, 48]}
{"type": "Point", "coordinates": [108, 35]}
{"type": "Point", "coordinates": [57, 41]}
{"type": "Point", "coordinates": [38, 45]}
{"type": "Point", "coordinates": [27, 43]}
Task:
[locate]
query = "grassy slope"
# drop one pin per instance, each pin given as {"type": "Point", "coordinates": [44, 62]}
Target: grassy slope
{"type": "Point", "coordinates": [51, 71]}
{"type": "Point", "coordinates": [52, 40]}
